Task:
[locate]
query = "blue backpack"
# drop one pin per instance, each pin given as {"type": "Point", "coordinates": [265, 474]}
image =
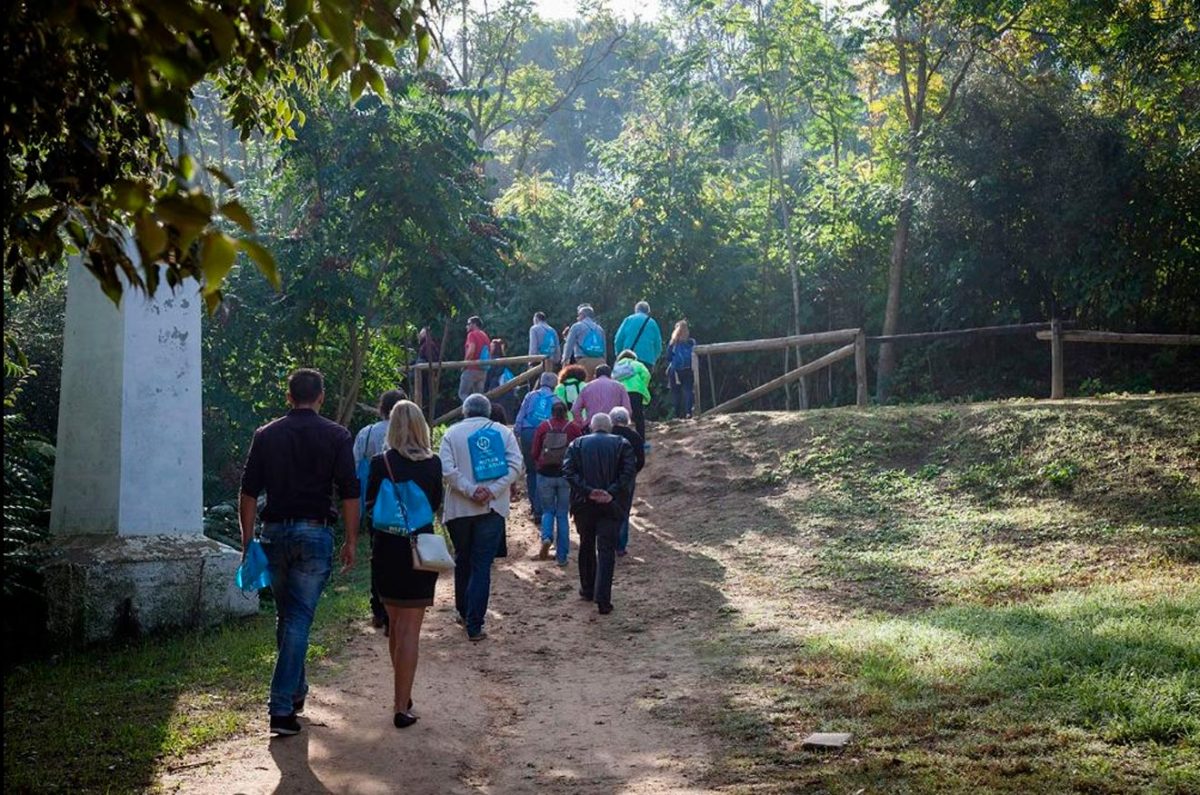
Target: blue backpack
{"type": "Point", "coordinates": [363, 470]}
{"type": "Point", "coordinates": [540, 407]}
{"type": "Point", "coordinates": [549, 342]}
{"type": "Point", "coordinates": [400, 508]}
{"type": "Point", "coordinates": [681, 355]}
{"type": "Point", "coordinates": [488, 456]}
{"type": "Point", "coordinates": [593, 343]}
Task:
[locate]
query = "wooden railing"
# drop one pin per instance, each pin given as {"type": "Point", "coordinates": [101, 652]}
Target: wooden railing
{"type": "Point", "coordinates": [857, 347]}
{"type": "Point", "coordinates": [1055, 331]}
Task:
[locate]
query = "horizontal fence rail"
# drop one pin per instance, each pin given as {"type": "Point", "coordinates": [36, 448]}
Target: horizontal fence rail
{"type": "Point", "coordinates": [1119, 337]}
{"type": "Point", "coordinates": [979, 331]}
{"type": "Point", "coordinates": [778, 343]}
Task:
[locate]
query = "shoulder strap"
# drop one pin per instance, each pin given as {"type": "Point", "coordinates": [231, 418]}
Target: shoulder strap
{"type": "Point", "coordinates": [388, 465]}
{"type": "Point", "coordinates": [639, 334]}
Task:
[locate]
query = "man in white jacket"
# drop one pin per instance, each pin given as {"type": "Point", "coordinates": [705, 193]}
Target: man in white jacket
{"type": "Point", "coordinates": [481, 460]}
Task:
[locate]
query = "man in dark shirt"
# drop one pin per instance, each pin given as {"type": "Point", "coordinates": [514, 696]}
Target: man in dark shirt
{"type": "Point", "coordinates": [297, 460]}
{"type": "Point", "coordinates": [600, 469]}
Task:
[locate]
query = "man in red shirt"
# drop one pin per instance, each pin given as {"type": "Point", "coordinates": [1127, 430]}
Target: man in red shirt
{"type": "Point", "coordinates": [477, 343]}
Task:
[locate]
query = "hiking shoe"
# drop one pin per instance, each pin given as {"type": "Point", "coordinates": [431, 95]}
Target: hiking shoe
{"type": "Point", "coordinates": [604, 609]}
{"type": "Point", "coordinates": [621, 553]}
{"type": "Point", "coordinates": [587, 597]}
{"type": "Point", "coordinates": [297, 706]}
{"type": "Point", "coordinates": [562, 563]}
{"type": "Point", "coordinates": [403, 720]}
{"type": "Point", "coordinates": [544, 552]}
{"type": "Point", "coordinates": [458, 619]}
{"type": "Point", "coordinates": [379, 622]}
{"type": "Point", "coordinates": [284, 725]}
{"type": "Point", "coordinates": [478, 636]}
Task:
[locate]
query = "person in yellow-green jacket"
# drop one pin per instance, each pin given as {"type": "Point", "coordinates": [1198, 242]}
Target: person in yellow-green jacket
{"type": "Point", "coordinates": [634, 376]}
{"type": "Point", "coordinates": [570, 383]}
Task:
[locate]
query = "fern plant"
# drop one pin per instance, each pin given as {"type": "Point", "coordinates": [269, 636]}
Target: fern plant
{"type": "Point", "coordinates": [28, 470]}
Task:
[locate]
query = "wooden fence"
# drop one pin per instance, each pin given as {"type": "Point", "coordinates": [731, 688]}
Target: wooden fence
{"type": "Point", "coordinates": [854, 343]}
{"type": "Point", "coordinates": [433, 370]}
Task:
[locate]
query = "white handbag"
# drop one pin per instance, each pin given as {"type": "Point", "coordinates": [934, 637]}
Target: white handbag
{"type": "Point", "coordinates": [430, 553]}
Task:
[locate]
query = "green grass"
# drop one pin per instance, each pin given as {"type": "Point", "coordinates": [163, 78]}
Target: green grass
{"type": "Point", "coordinates": [106, 719]}
{"type": "Point", "coordinates": [1000, 598]}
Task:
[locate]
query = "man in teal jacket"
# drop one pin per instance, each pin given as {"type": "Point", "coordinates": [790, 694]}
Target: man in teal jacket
{"type": "Point", "coordinates": [640, 333]}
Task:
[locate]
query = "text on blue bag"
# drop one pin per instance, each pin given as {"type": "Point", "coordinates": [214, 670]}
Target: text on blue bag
{"type": "Point", "coordinates": [488, 458]}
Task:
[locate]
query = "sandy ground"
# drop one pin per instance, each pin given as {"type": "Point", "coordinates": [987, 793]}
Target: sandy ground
{"type": "Point", "coordinates": [558, 699]}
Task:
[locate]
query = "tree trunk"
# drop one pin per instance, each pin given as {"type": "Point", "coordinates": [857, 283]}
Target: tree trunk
{"type": "Point", "coordinates": [891, 316]}
{"type": "Point", "coordinates": [349, 397]}
{"type": "Point", "coordinates": [786, 221]}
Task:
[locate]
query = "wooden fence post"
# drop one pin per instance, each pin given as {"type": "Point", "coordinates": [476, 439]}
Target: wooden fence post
{"type": "Point", "coordinates": [1056, 359]}
{"type": "Point", "coordinates": [695, 382]}
{"type": "Point", "coordinates": [860, 368]}
{"type": "Point", "coordinates": [416, 381]}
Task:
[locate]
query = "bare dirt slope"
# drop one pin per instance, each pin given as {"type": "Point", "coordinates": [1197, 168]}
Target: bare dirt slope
{"type": "Point", "coordinates": [558, 699]}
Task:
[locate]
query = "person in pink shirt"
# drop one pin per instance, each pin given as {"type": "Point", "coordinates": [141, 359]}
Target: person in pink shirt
{"type": "Point", "coordinates": [600, 396]}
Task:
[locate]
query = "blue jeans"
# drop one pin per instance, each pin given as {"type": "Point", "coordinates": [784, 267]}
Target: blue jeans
{"type": "Point", "coordinates": [683, 395]}
{"type": "Point", "coordinates": [476, 542]}
{"type": "Point", "coordinates": [300, 558]}
{"type": "Point", "coordinates": [555, 494]}
{"type": "Point", "coordinates": [531, 476]}
{"type": "Point", "coordinates": [623, 537]}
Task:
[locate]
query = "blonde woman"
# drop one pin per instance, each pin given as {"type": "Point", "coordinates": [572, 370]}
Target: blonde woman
{"type": "Point", "coordinates": [405, 592]}
{"type": "Point", "coordinates": [679, 370]}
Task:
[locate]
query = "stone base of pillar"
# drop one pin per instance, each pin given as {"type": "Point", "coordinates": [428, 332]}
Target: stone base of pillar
{"type": "Point", "coordinates": [104, 587]}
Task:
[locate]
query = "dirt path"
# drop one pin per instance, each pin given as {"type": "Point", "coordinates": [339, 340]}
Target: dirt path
{"type": "Point", "coordinates": [558, 699]}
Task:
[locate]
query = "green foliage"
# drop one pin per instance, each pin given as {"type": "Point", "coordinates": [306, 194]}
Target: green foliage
{"type": "Point", "coordinates": [93, 87]}
{"type": "Point", "coordinates": [380, 211]}
{"type": "Point", "coordinates": [28, 462]}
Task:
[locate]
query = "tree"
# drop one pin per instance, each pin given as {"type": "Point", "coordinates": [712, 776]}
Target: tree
{"type": "Point", "coordinates": [931, 46]}
{"type": "Point", "coordinates": [97, 90]}
{"type": "Point", "coordinates": [508, 91]}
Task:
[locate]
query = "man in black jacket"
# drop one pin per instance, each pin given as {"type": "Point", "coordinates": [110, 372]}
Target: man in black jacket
{"type": "Point", "coordinates": [600, 468]}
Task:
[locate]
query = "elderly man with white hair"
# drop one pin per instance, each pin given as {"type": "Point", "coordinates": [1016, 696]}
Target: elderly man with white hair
{"type": "Point", "coordinates": [640, 333]}
{"type": "Point", "coordinates": [600, 469]}
{"type": "Point", "coordinates": [480, 461]}
{"type": "Point", "coordinates": [620, 418]}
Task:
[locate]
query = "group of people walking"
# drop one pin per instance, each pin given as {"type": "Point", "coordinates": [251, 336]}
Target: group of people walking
{"type": "Point", "coordinates": [578, 439]}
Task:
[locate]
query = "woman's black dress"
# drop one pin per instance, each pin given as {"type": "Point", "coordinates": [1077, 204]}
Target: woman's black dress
{"type": "Point", "coordinates": [396, 581]}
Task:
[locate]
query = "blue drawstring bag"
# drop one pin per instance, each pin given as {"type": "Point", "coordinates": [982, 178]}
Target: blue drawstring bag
{"type": "Point", "coordinates": [488, 458]}
{"type": "Point", "coordinates": [363, 470]}
{"type": "Point", "coordinates": [253, 574]}
{"type": "Point", "coordinates": [400, 508]}
{"type": "Point", "coordinates": [593, 343]}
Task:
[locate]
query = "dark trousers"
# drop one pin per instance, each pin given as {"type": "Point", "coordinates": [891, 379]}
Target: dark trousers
{"type": "Point", "coordinates": [638, 413]}
{"type": "Point", "coordinates": [597, 555]}
{"type": "Point", "coordinates": [476, 542]}
{"type": "Point", "coordinates": [378, 611]}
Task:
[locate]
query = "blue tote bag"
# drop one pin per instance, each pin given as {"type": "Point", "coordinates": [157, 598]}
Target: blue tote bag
{"type": "Point", "coordinates": [253, 574]}
{"type": "Point", "coordinates": [400, 508]}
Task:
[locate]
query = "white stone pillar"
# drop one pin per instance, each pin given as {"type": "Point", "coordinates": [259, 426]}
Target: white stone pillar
{"type": "Point", "coordinates": [127, 509]}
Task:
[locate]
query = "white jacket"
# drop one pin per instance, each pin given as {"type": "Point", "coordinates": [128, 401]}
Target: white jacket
{"type": "Point", "coordinates": [460, 481]}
